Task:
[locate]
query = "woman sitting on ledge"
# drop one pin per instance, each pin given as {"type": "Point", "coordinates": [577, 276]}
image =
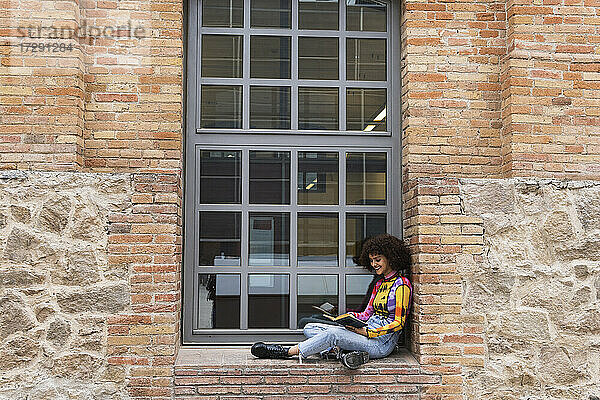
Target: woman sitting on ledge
{"type": "Point", "coordinates": [385, 314]}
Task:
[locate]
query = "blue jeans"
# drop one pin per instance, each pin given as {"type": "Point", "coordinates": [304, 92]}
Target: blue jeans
{"type": "Point", "coordinates": [322, 337]}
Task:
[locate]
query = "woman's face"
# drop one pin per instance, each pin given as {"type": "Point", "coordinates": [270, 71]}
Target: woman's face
{"type": "Point", "coordinates": [380, 264]}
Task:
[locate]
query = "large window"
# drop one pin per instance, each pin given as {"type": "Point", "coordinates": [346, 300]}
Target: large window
{"type": "Point", "coordinates": [292, 159]}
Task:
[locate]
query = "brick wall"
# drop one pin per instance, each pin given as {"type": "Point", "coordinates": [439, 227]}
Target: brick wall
{"type": "Point", "coordinates": [489, 89]}
{"type": "Point", "coordinates": [133, 88]}
{"type": "Point", "coordinates": [147, 240]}
{"type": "Point", "coordinates": [391, 378]}
{"type": "Point", "coordinates": [443, 338]}
{"type": "Point", "coordinates": [451, 53]}
{"type": "Point", "coordinates": [41, 93]}
{"type": "Point", "coordinates": [111, 101]}
{"type": "Point", "coordinates": [551, 89]}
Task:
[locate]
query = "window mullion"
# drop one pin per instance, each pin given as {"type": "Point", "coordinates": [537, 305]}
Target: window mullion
{"type": "Point", "coordinates": [342, 224]}
{"type": "Point", "coordinates": [294, 240]}
{"type": "Point", "coordinates": [244, 239]}
{"type": "Point", "coordinates": [246, 72]}
{"type": "Point", "coordinates": [342, 45]}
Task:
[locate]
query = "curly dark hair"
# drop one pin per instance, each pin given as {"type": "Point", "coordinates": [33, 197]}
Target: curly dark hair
{"type": "Point", "coordinates": [388, 246]}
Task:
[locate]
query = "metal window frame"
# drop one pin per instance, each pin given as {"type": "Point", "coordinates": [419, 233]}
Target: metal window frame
{"type": "Point", "coordinates": [291, 140]}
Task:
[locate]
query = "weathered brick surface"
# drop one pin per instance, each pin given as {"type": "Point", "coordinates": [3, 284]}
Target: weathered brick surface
{"type": "Point", "coordinates": [489, 89]}
{"type": "Point", "coordinates": [41, 93]}
{"type": "Point", "coordinates": [443, 338]}
{"type": "Point", "coordinates": [112, 101]}
{"type": "Point", "coordinates": [451, 54]}
{"type": "Point", "coordinates": [133, 88]}
{"type": "Point", "coordinates": [551, 89]}
{"type": "Point", "coordinates": [147, 241]}
{"type": "Point", "coordinates": [312, 380]}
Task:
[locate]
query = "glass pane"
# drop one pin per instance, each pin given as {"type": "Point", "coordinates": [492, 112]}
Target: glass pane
{"type": "Point", "coordinates": [271, 13]}
{"type": "Point", "coordinates": [223, 13]}
{"type": "Point", "coordinates": [366, 178]}
{"type": "Point", "coordinates": [220, 177]}
{"type": "Point", "coordinates": [268, 301]}
{"type": "Point", "coordinates": [270, 107]}
{"type": "Point", "coordinates": [318, 14]}
{"type": "Point", "coordinates": [356, 292]}
{"type": "Point", "coordinates": [358, 227]}
{"type": "Point", "coordinates": [317, 239]}
{"type": "Point", "coordinates": [366, 110]}
{"type": "Point", "coordinates": [318, 108]}
{"type": "Point", "coordinates": [318, 58]}
{"type": "Point", "coordinates": [219, 301]}
{"type": "Point", "coordinates": [318, 178]}
{"type": "Point", "coordinates": [269, 239]}
{"type": "Point", "coordinates": [365, 15]}
{"type": "Point", "coordinates": [270, 57]}
{"type": "Point", "coordinates": [222, 56]}
{"type": "Point", "coordinates": [220, 234]}
{"type": "Point", "coordinates": [365, 59]}
{"type": "Point", "coordinates": [221, 107]}
{"type": "Point", "coordinates": [314, 290]}
{"type": "Point", "coordinates": [269, 177]}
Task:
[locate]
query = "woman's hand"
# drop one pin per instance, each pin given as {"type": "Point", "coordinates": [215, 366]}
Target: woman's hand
{"type": "Point", "coordinates": [360, 331]}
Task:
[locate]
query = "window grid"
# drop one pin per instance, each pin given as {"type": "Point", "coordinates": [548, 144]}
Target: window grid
{"type": "Point", "coordinates": [245, 208]}
{"type": "Point", "coordinates": [295, 82]}
{"type": "Point", "coordinates": [291, 140]}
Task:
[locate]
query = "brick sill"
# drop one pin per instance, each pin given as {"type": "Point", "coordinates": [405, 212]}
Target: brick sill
{"type": "Point", "coordinates": [233, 373]}
{"type": "Point", "coordinates": [202, 357]}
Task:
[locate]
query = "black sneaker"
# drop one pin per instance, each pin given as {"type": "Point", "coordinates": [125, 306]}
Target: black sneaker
{"type": "Point", "coordinates": [333, 354]}
{"type": "Point", "coordinates": [354, 359]}
{"type": "Point", "coordinates": [262, 350]}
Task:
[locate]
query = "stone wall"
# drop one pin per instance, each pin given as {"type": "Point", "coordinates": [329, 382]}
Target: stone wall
{"type": "Point", "coordinates": [57, 287]}
{"type": "Point", "coordinates": [537, 288]}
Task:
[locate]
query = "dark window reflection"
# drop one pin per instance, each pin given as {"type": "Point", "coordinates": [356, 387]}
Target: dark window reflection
{"type": "Point", "coordinates": [270, 107]}
{"type": "Point", "coordinates": [318, 108]}
{"type": "Point", "coordinates": [314, 290]}
{"type": "Point", "coordinates": [358, 227]}
{"type": "Point", "coordinates": [322, 14]}
{"type": "Point", "coordinates": [223, 13]}
{"type": "Point", "coordinates": [222, 56]}
{"type": "Point", "coordinates": [268, 301]}
{"type": "Point", "coordinates": [366, 15]}
{"type": "Point", "coordinates": [220, 237]}
{"type": "Point", "coordinates": [270, 13]}
{"type": "Point", "coordinates": [269, 239]}
{"type": "Point", "coordinates": [317, 239]}
{"type": "Point", "coordinates": [221, 106]}
{"type": "Point", "coordinates": [356, 288]}
{"type": "Point", "coordinates": [318, 58]}
{"type": "Point", "coordinates": [366, 59]}
{"type": "Point", "coordinates": [218, 301]}
{"type": "Point", "coordinates": [270, 57]}
{"type": "Point", "coordinates": [270, 177]}
{"type": "Point", "coordinates": [366, 178]}
{"type": "Point", "coordinates": [366, 110]}
{"type": "Point", "coordinates": [220, 177]}
{"type": "Point", "coordinates": [318, 178]}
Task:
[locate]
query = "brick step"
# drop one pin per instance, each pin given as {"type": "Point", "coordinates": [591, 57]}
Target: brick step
{"type": "Point", "coordinates": [204, 373]}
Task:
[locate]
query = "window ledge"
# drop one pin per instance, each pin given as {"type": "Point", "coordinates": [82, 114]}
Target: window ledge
{"type": "Point", "coordinates": [190, 357]}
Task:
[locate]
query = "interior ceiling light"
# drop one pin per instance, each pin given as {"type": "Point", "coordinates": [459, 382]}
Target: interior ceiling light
{"type": "Point", "coordinates": [310, 185]}
{"type": "Point", "coordinates": [381, 115]}
{"type": "Point", "coordinates": [369, 128]}
{"type": "Point", "coordinates": [378, 118]}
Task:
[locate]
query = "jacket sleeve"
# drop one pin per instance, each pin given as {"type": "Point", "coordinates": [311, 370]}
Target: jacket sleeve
{"type": "Point", "coordinates": [403, 293]}
{"type": "Point", "coordinates": [363, 316]}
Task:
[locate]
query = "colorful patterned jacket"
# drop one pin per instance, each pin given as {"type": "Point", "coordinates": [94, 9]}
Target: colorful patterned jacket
{"type": "Point", "coordinates": [391, 300]}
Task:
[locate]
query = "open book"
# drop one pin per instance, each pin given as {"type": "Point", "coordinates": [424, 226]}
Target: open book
{"type": "Point", "coordinates": [326, 308]}
{"type": "Point", "coordinates": [347, 320]}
